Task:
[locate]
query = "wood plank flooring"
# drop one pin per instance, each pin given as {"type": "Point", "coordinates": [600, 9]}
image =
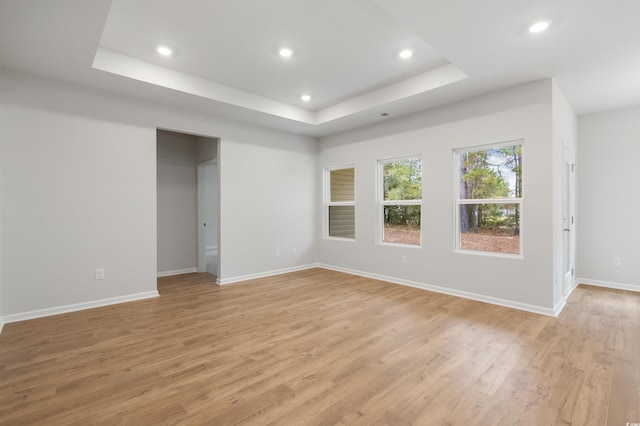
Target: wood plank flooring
{"type": "Point", "coordinates": [320, 347]}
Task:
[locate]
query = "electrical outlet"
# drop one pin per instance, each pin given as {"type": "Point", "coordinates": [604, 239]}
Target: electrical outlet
{"type": "Point", "coordinates": [294, 251]}
{"type": "Point", "coordinates": [403, 260]}
{"type": "Point", "coordinates": [617, 261]}
{"type": "Point", "coordinates": [277, 252]}
{"type": "Point", "coordinates": [100, 274]}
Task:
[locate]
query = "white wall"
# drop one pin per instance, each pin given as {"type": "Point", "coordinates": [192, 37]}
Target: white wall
{"type": "Point", "coordinates": [608, 200]}
{"type": "Point", "coordinates": [177, 202]}
{"type": "Point", "coordinates": [79, 193]}
{"type": "Point", "coordinates": [565, 129]}
{"type": "Point", "coordinates": [1, 137]}
{"type": "Point", "coordinates": [78, 185]}
{"type": "Point", "coordinates": [267, 193]}
{"type": "Point", "coordinates": [524, 113]}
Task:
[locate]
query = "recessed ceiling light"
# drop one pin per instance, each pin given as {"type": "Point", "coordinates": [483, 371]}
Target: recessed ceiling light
{"type": "Point", "coordinates": [285, 52]}
{"type": "Point", "coordinates": [164, 50]}
{"type": "Point", "coordinates": [538, 27]}
{"type": "Point", "coordinates": [406, 53]}
{"type": "Point", "coordinates": [305, 97]}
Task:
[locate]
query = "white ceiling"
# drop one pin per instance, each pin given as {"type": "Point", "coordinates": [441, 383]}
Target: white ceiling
{"type": "Point", "coordinates": [345, 53]}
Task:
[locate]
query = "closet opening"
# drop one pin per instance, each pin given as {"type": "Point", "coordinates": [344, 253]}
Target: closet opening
{"type": "Point", "coordinates": [188, 207]}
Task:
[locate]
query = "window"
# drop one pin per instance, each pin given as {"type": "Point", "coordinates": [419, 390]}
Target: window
{"type": "Point", "coordinates": [340, 202]}
{"type": "Point", "coordinates": [400, 196]}
{"type": "Point", "coordinates": [489, 199]}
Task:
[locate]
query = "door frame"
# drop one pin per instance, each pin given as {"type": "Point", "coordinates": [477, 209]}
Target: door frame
{"type": "Point", "coordinates": [568, 220]}
{"type": "Point", "coordinates": [202, 249]}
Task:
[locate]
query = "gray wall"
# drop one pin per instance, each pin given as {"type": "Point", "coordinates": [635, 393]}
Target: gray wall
{"type": "Point", "coordinates": [78, 181]}
{"type": "Point", "coordinates": [267, 192]}
{"type": "Point", "coordinates": [1, 136]}
{"type": "Point", "coordinates": [79, 184]}
{"type": "Point", "coordinates": [78, 194]}
{"type": "Point", "coordinates": [177, 201]}
{"type": "Point", "coordinates": [520, 113]}
{"type": "Point", "coordinates": [608, 202]}
{"type": "Point", "coordinates": [207, 149]}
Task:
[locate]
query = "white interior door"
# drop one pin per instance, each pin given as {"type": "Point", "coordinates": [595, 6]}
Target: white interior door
{"type": "Point", "coordinates": [568, 221]}
{"type": "Point", "coordinates": [208, 217]}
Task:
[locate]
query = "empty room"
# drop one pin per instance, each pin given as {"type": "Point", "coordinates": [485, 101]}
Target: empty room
{"type": "Point", "coordinates": [305, 212]}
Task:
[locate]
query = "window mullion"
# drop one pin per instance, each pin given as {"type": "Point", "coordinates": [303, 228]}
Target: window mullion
{"type": "Point", "coordinates": [489, 201]}
{"type": "Point", "coordinates": [402, 203]}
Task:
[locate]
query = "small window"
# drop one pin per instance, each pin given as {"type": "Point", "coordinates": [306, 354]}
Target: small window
{"type": "Point", "coordinates": [400, 200]}
{"type": "Point", "coordinates": [340, 202]}
{"type": "Point", "coordinates": [489, 199]}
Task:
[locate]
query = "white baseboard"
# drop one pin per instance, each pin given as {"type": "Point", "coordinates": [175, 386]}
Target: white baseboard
{"type": "Point", "coordinates": [452, 292]}
{"type": "Point", "coordinates": [177, 272]}
{"type": "Point", "coordinates": [609, 284]}
{"type": "Point", "coordinates": [240, 278]}
{"type": "Point", "coordinates": [1, 324]}
{"type": "Point", "coordinates": [560, 306]}
{"type": "Point", "coordinates": [77, 307]}
{"type": "Point", "coordinates": [563, 302]}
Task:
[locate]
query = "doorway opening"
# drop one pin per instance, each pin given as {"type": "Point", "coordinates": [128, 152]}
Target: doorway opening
{"type": "Point", "coordinates": [187, 204]}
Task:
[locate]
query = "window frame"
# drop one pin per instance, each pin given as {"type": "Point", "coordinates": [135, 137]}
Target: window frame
{"type": "Point", "coordinates": [381, 203]}
{"type": "Point", "coordinates": [328, 203]}
{"type": "Point", "coordinates": [457, 201]}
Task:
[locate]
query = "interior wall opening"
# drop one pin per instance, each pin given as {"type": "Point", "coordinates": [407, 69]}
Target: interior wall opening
{"type": "Point", "coordinates": [187, 204]}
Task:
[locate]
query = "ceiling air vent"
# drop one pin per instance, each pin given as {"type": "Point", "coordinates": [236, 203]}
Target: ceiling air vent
{"type": "Point", "coordinates": [379, 115]}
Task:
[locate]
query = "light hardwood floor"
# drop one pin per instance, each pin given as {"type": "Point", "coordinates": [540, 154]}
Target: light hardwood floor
{"type": "Point", "coordinates": [322, 347]}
